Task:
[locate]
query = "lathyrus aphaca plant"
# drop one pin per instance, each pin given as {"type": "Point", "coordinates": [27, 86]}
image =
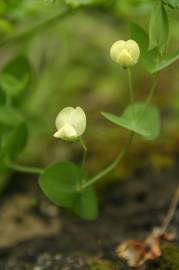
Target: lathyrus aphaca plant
{"type": "Point", "coordinates": [65, 183]}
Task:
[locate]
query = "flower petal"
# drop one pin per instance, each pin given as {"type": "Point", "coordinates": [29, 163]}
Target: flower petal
{"type": "Point", "coordinates": [67, 133]}
{"type": "Point", "coordinates": [78, 120]}
{"type": "Point", "coordinates": [63, 117]}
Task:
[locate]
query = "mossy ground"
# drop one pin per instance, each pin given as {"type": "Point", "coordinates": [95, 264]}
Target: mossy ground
{"type": "Point", "coordinates": [169, 259]}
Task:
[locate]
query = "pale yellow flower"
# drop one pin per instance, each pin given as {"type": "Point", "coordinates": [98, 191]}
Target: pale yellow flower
{"type": "Point", "coordinates": [125, 53]}
{"type": "Point", "coordinates": [70, 124]}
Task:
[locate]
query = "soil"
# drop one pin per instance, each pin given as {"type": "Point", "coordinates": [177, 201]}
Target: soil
{"type": "Point", "coordinates": [35, 235]}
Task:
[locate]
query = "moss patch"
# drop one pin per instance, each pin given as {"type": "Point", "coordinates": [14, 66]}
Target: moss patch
{"type": "Point", "coordinates": [169, 259]}
{"type": "Point", "coordinates": [98, 264]}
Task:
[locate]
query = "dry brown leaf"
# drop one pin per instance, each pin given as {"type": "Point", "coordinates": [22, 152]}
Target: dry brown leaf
{"type": "Point", "coordinates": [136, 253]}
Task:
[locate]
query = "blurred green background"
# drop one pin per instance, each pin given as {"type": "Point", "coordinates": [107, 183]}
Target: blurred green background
{"type": "Point", "coordinates": [69, 53]}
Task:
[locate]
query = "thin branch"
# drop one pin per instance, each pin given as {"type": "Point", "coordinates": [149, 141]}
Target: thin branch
{"type": "Point", "coordinates": [171, 211]}
{"type": "Point", "coordinates": [34, 28]}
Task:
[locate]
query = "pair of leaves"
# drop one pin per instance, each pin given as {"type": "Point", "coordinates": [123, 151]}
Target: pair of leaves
{"type": "Point", "coordinates": [142, 120]}
{"type": "Point", "coordinates": [172, 3]}
{"type": "Point", "coordinates": [149, 58]}
{"type": "Point", "coordinates": [159, 28]}
{"type": "Point", "coordinates": [61, 184]}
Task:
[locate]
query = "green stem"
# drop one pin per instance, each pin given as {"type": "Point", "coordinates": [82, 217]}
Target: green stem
{"type": "Point", "coordinates": [131, 91]}
{"type": "Point", "coordinates": [151, 92]}
{"type": "Point", "coordinates": [150, 95]}
{"type": "Point", "coordinates": [112, 165]}
{"type": "Point", "coordinates": [21, 168]}
{"type": "Point", "coordinates": [84, 152]}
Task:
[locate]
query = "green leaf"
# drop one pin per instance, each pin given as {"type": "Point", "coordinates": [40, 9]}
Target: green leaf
{"type": "Point", "coordinates": [85, 204]}
{"type": "Point", "coordinates": [12, 86]}
{"type": "Point", "coordinates": [172, 3]}
{"type": "Point", "coordinates": [14, 141]}
{"type": "Point", "coordinates": [61, 184]}
{"type": "Point", "coordinates": [19, 68]}
{"type": "Point", "coordinates": [159, 28]}
{"type": "Point", "coordinates": [144, 122]}
{"type": "Point", "coordinates": [149, 59]}
{"type": "Point", "coordinates": [167, 61]}
{"type": "Point", "coordinates": [10, 116]}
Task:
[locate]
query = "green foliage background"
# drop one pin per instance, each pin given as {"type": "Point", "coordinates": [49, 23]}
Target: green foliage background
{"type": "Point", "coordinates": [67, 44]}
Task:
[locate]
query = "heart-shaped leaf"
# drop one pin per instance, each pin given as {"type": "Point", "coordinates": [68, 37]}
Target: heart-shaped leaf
{"type": "Point", "coordinates": [144, 121]}
{"type": "Point", "coordinates": [61, 184]}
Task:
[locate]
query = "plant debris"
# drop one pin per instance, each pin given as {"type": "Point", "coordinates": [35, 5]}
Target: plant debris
{"type": "Point", "coordinates": [136, 252]}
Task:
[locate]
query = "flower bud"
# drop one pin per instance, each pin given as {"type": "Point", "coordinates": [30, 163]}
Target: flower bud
{"type": "Point", "coordinates": [125, 53]}
{"type": "Point", "coordinates": [70, 124]}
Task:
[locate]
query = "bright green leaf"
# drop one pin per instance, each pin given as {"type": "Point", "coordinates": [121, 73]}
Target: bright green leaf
{"type": "Point", "coordinates": [159, 28]}
{"type": "Point", "coordinates": [61, 184]}
{"type": "Point", "coordinates": [143, 121]}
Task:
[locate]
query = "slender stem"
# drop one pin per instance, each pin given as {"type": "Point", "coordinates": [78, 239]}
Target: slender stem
{"type": "Point", "coordinates": [112, 165]}
{"type": "Point", "coordinates": [131, 91]}
{"type": "Point", "coordinates": [22, 168]}
{"type": "Point", "coordinates": [151, 92]}
{"type": "Point", "coordinates": [34, 28]}
{"type": "Point", "coordinates": [171, 211]}
{"type": "Point", "coordinates": [150, 95]}
{"type": "Point", "coordinates": [84, 152]}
